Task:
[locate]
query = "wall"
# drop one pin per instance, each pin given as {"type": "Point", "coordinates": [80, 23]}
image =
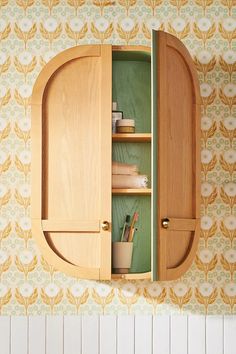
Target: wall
{"type": "Point", "coordinates": [125, 334]}
{"type": "Point", "coordinates": [33, 31]}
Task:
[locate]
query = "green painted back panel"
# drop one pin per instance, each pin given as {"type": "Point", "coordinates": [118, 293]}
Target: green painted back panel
{"type": "Point", "coordinates": [131, 89]}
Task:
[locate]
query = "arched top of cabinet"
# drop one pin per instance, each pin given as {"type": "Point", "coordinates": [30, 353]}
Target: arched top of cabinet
{"type": "Point", "coordinates": [55, 63]}
{"type": "Point", "coordinates": [180, 49]}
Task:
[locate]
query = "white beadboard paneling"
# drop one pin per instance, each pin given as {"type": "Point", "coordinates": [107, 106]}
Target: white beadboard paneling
{"type": "Point", "coordinates": [161, 334]}
{"type": "Point", "coordinates": [214, 334]}
{"type": "Point", "coordinates": [125, 334]}
{"type": "Point", "coordinates": [143, 334]}
{"type": "Point", "coordinates": [196, 334]}
{"type": "Point", "coordinates": [5, 333]}
{"type": "Point", "coordinates": [229, 334]}
{"type": "Point", "coordinates": [72, 335]}
{"type": "Point", "coordinates": [90, 334]}
{"type": "Point", "coordinates": [54, 335]}
{"type": "Point", "coordinates": [36, 330]}
{"type": "Point", "coordinates": [179, 334]}
{"type": "Point", "coordinates": [19, 335]}
{"type": "Point", "coordinates": [107, 334]}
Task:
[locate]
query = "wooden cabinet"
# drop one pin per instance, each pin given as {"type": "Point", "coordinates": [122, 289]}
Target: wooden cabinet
{"type": "Point", "coordinates": [75, 213]}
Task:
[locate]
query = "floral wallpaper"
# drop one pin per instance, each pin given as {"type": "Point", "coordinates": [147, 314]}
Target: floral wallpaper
{"type": "Point", "coordinates": [32, 32]}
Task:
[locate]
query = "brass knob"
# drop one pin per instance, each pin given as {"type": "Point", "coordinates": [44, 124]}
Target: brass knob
{"type": "Point", "coordinates": [165, 223]}
{"type": "Point", "coordinates": [105, 225]}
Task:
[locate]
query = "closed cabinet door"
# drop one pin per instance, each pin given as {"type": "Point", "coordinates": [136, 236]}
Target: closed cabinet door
{"type": "Point", "coordinates": [176, 158]}
{"type": "Point", "coordinates": [71, 163]}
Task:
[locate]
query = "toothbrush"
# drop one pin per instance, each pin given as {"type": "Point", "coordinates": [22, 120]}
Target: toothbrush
{"type": "Point", "coordinates": [131, 232]}
{"type": "Point", "coordinates": [127, 220]}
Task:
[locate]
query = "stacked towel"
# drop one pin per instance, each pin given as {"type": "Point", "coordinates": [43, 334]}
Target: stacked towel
{"type": "Point", "coordinates": [119, 168]}
{"type": "Point", "coordinates": [126, 176]}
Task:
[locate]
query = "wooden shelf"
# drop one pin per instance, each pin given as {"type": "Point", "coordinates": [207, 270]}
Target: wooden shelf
{"type": "Point", "coordinates": [132, 138]}
{"type": "Point", "coordinates": [140, 191]}
{"type": "Point", "coordinates": [132, 276]}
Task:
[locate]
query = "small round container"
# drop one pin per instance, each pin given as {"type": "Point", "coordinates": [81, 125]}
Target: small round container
{"type": "Point", "coordinates": [125, 126]}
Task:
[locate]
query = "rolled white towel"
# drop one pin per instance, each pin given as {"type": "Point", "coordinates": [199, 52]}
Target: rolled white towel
{"type": "Point", "coordinates": [126, 181]}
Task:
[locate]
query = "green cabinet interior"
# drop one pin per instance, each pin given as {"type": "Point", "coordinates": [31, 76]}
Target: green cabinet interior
{"type": "Point", "coordinates": [131, 89]}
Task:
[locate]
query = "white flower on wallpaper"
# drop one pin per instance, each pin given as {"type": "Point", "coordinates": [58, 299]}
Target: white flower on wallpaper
{"type": "Point", "coordinates": [230, 189]}
{"type": "Point", "coordinates": [3, 124]}
{"type": "Point", "coordinates": [206, 289]}
{"type": "Point", "coordinates": [206, 255]}
{"type": "Point", "coordinates": [24, 124]}
{"type": "Point", "coordinates": [204, 56]}
{"type": "Point", "coordinates": [25, 58]}
{"type": "Point", "coordinates": [25, 90]}
{"type": "Point", "coordinates": [3, 290]}
{"type": "Point", "coordinates": [77, 290]}
{"type": "Point", "coordinates": [153, 23]}
{"type": "Point", "coordinates": [3, 221]}
{"type": "Point", "coordinates": [127, 24]}
{"type": "Point", "coordinates": [3, 257]}
{"type": "Point", "coordinates": [178, 24]}
{"type": "Point", "coordinates": [230, 156]}
{"type": "Point", "coordinates": [154, 289]}
{"type": "Point", "coordinates": [25, 24]}
{"type": "Point", "coordinates": [3, 188]}
{"type": "Point", "coordinates": [25, 156]}
{"type": "Point", "coordinates": [230, 289]}
{"type": "Point", "coordinates": [129, 289]}
{"type": "Point", "coordinates": [206, 222]}
{"type": "Point", "coordinates": [52, 290]}
{"type": "Point", "coordinates": [206, 189]}
{"type": "Point", "coordinates": [206, 156]}
{"type": "Point", "coordinates": [25, 223]}
{"type": "Point", "coordinates": [229, 90]}
{"type": "Point", "coordinates": [26, 290]}
{"type": "Point", "coordinates": [3, 57]}
{"type": "Point", "coordinates": [101, 24]}
{"type": "Point", "coordinates": [229, 24]}
{"type": "Point", "coordinates": [205, 90]}
{"type": "Point", "coordinates": [230, 222]}
{"type": "Point", "coordinates": [230, 123]}
{"type": "Point", "coordinates": [103, 289]}
{"type": "Point", "coordinates": [229, 56]}
{"type": "Point", "coordinates": [24, 190]}
{"type": "Point", "coordinates": [180, 289]}
{"type": "Point", "coordinates": [3, 24]}
{"type": "Point", "coordinates": [76, 24]}
{"type": "Point", "coordinates": [204, 24]}
{"type": "Point", "coordinates": [230, 255]}
{"type": "Point", "coordinates": [206, 123]}
{"type": "Point", "coordinates": [3, 91]}
{"type": "Point", "coordinates": [26, 257]}
{"type": "Point", "coordinates": [50, 24]}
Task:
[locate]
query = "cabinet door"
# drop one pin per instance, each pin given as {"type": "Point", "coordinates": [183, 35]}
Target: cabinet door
{"type": "Point", "coordinates": [176, 158]}
{"type": "Point", "coordinates": [71, 162]}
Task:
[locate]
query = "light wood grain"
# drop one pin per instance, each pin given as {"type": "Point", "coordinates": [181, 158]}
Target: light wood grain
{"type": "Point", "coordinates": [71, 225]}
{"type": "Point", "coordinates": [139, 191]}
{"type": "Point", "coordinates": [70, 171]}
{"type": "Point", "coordinates": [178, 156]}
{"type": "Point", "coordinates": [131, 138]}
{"type": "Point", "coordinates": [132, 276]}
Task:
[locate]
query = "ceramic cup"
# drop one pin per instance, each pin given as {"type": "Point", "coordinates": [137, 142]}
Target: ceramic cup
{"type": "Point", "coordinates": [121, 256]}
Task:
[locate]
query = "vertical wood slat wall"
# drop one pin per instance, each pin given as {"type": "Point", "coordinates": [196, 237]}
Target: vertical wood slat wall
{"type": "Point", "coordinates": [124, 334]}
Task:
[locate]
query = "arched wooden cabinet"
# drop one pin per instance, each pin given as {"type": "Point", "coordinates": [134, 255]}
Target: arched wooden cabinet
{"type": "Point", "coordinates": [73, 148]}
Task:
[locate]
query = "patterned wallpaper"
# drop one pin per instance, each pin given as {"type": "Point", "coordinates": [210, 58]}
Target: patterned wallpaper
{"type": "Point", "coordinates": [32, 32]}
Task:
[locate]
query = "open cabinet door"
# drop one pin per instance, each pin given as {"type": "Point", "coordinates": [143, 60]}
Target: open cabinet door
{"type": "Point", "coordinates": [176, 158]}
{"type": "Point", "coordinates": [71, 162]}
